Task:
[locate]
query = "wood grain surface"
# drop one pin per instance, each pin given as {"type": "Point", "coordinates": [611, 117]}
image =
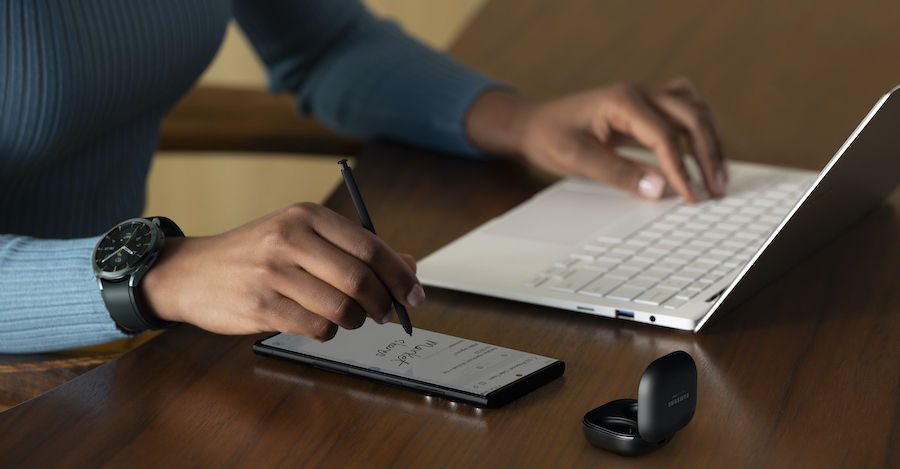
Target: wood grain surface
{"type": "Point", "coordinates": [804, 374]}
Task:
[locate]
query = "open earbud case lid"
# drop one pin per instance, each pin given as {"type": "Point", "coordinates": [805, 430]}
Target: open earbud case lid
{"type": "Point", "coordinates": [667, 396]}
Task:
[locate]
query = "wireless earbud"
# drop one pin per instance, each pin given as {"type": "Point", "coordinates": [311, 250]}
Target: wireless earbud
{"type": "Point", "coordinates": [667, 399]}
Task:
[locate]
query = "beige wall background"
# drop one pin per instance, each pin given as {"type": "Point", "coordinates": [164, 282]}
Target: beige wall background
{"type": "Point", "coordinates": [209, 193]}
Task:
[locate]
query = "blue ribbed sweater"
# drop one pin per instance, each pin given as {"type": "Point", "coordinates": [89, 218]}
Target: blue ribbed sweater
{"type": "Point", "coordinates": [84, 85]}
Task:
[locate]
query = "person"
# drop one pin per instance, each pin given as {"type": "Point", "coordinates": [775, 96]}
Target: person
{"type": "Point", "coordinates": [84, 86]}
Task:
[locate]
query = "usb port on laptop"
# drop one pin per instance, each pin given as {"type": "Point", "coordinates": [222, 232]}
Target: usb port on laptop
{"type": "Point", "coordinates": [624, 314]}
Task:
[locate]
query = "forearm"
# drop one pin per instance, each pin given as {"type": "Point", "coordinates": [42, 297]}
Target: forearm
{"type": "Point", "coordinates": [49, 298]}
{"type": "Point", "coordinates": [363, 76]}
{"type": "Point", "coordinates": [497, 122]}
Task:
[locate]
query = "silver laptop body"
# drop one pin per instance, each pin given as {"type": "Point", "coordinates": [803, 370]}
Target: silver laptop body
{"type": "Point", "coordinates": [584, 246]}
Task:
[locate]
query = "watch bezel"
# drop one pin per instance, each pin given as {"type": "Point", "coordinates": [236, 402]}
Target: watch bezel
{"type": "Point", "coordinates": [156, 241]}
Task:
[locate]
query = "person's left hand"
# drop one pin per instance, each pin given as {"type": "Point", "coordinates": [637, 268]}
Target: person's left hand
{"type": "Point", "coordinates": [576, 135]}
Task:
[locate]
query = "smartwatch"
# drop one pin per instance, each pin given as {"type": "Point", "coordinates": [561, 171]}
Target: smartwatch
{"type": "Point", "coordinates": [121, 258]}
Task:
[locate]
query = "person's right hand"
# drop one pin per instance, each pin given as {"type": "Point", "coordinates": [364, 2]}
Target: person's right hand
{"type": "Point", "coordinates": [303, 270]}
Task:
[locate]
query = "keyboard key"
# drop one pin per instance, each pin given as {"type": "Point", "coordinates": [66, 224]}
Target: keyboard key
{"type": "Point", "coordinates": [535, 281]}
{"type": "Point", "coordinates": [732, 201]}
{"type": "Point", "coordinates": [681, 257]}
{"type": "Point", "coordinates": [613, 256]}
{"type": "Point", "coordinates": [575, 281]}
{"type": "Point", "coordinates": [638, 242]}
{"type": "Point", "coordinates": [584, 254]}
{"type": "Point", "coordinates": [732, 243]}
{"type": "Point", "coordinates": [667, 266]}
{"type": "Point", "coordinates": [672, 242]}
{"type": "Point", "coordinates": [721, 210]}
{"type": "Point", "coordinates": [726, 227]}
{"type": "Point", "coordinates": [751, 211]}
{"type": "Point", "coordinates": [712, 258]}
{"type": "Point", "coordinates": [788, 187]}
{"type": "Point", "coordinates": [599, 265]}
{"type": "Point", "coordinates": [654, 296]}
{"type": "Point", "coordinates": [764, 202]}
{"type": "Point", "coordinates": [687, 275]}
{"type": "Point", "coordinates": [674, 259]}
{"type": "Point", "coordinates": [686, 294]}
{"type": "Point", "coordinates": [621, 273]}
{"type": "Point", "coordinates": [675, 219]}
{"type": "Point", "coordinates": [654, 274]}
{"type": "Point", "coordinates": [687, 210]}
{"type": "Point", "coordinates": [685, 233]}
{"type": "Point", "coordinates": [689, 251]}
{"type": "Point", "coordinates": [640, 283]}
{"type": "Point", "coordinates": [702, 267]}
{"type": "Point", "coordinates": [739, 219]}
{"type": "Point", "coordinates": [634, 264]}
{"type": "Point", "coordinates": [674, 303]}
{"type": "Point", "coordinates": [775, 195]}
{"type": "Point", "coordinates": [566, 262]}
{"type": "Point", "coordinates": [674, 284]}
{"type": "Point", "coordinates": [600, 286]}
{"type": "Point", "coordinates": [651, 234]}
{"type": "Point", "coordinates": [557, 272]}
{"type": "Point", "coordinates": [708, 218]}
{"type": "Point", "coordinates": [696, 226]}
{"type": "Point", "coordinates": [624, 293]}
{"type": "Point", "coordinates": [701, 244]}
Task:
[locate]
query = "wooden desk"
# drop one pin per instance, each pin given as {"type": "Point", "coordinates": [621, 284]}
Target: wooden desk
{"type": "Point", "coordinates": [804, 374]}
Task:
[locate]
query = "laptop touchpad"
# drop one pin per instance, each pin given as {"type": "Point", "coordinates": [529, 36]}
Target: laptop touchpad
{"type": "Point", "coordinates": [567, 216]}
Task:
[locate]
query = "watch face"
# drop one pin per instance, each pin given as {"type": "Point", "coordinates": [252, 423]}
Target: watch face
{"type": "Point", "coordinates": [123, 248]}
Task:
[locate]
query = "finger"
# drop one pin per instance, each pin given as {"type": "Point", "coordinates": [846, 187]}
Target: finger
{"type": "Point", "coordinates": [410, 261]}
{"type": "Point", "coordinates": [599, 162]}
{"type": "Point", "coordinates": [636, 116]}
{"type": "Point", "coordinates": [346, 273]}
{"type": "Point", "coordinates": [320, 298]}
{"type": "Point", "coordinates": [703, 139]}
{"type": "Point", "coordinates": [288, 316]}
{"type": "Point", "coordinates": [682, 87]}
{"type": "Point", "coordinates": [389, 268]}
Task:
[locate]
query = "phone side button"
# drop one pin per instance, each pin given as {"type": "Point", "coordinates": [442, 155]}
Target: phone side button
{"type": "Point", "coordinates": [393, 382]}
{"type": "Point", "coordinates": [335, 369]}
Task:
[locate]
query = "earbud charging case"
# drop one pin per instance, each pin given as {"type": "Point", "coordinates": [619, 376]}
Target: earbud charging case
{"type": "Point", "coordinates": [667, 399]}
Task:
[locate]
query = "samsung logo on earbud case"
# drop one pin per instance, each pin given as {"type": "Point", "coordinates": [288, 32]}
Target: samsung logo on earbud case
{"type": "Point", "coordinates": [679, 399]}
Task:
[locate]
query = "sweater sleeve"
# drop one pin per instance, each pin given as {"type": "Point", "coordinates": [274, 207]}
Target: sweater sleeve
{"type": "Point", "coordinates": [44, 310]}
{"type": "Point", "coordinates": [360, 75]}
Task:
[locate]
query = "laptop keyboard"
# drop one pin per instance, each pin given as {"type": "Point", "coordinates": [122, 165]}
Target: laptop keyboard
{"type": "Point", "coordinates": [682, 253]}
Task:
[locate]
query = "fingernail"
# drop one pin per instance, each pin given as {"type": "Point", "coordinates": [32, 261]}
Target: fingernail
{"type": "Point", "coordinates": [416, 297]}
{"type": "Point", "coordinates": [387, 318]}
{"type": "Point", "coordinates": [651, 186]}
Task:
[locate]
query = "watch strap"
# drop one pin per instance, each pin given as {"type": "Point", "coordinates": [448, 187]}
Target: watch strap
{"type": "Point", "coordinates": [168, 227]}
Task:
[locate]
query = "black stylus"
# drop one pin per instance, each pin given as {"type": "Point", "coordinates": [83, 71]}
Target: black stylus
{"type": "Point", "coordinates": [367, 224]}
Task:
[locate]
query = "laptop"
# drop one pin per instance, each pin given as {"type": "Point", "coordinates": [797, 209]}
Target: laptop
{"type": "Point", "coordinates": [584, 246]}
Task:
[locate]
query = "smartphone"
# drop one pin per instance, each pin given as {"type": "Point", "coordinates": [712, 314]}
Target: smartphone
{"type": "Point", "coordinates": [435, 364]}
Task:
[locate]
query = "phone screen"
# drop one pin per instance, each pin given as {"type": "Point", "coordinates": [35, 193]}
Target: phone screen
{"type": "Point", "coordinates": [425, 357]}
